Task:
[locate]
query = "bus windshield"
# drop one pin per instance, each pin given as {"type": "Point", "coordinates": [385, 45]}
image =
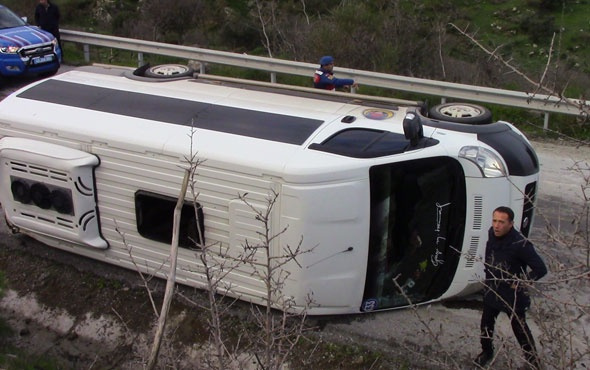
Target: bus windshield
{"type": "Point", "coordinates": [417, 226]}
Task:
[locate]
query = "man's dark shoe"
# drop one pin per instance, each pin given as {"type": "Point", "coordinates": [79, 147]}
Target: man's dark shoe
{"type": "Point", "coordinates": [484, 358]}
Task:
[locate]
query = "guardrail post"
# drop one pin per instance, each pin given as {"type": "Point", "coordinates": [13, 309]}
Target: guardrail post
{"type": "Point", "coordinates": [139, 59]}
{"type": "Point", "coordinates": [87, 53]}
{"type": "Point", "coordinates": [546, 121]}
{"type": "Point", "coordinates": [273, 77]}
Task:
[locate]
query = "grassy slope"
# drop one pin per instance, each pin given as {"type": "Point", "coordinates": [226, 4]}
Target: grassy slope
{"type": "Point", "coordinates": [504, 27]}
{"type": "Point", "coordinates": [496, 23]}
{"type": "Point", "coordinates": [519, 29]}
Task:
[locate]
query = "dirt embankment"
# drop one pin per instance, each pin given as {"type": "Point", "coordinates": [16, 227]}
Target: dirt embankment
{"type": "Point", "coordinates": [85, 313]}
{"type": "Point", "coordinates": [59, 311]}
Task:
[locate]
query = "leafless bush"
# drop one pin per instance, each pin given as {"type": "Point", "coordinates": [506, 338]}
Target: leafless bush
{"type": "Point", "coordinates": [217, 265]}
{"type": "Point", "coordinates": [563, 304]}
{"type": "Point", "coordinates": [146, 281]}
{"type": "Point", "coordinates": [279, 332]}
{"type": "Point", "coordinates": [561, 301]}
{"type": "Point", "coordinates": [444, 358]}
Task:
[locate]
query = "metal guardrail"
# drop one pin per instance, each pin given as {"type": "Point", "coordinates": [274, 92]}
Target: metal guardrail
{"type": "Point", "coordinates": [543, 103]}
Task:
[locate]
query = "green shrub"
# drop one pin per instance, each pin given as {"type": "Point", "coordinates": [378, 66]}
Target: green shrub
{"type": "Point", "coordinates": [539, 28]}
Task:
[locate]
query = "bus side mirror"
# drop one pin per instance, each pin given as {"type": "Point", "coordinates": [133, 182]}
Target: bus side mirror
{"type": "Point", "coordinates": [413, 130]}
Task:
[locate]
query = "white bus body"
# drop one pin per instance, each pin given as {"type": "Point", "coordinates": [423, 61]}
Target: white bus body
{"type": "Point", "coordinates": [84, 153]}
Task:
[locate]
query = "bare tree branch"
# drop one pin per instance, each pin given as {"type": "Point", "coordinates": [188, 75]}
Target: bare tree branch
{"type": "Point", "coordinates": [171, 275]}
{"type": "Point", "coordinates": [538, 86]}
{"type": "Point", "coordinates": [263, 24]}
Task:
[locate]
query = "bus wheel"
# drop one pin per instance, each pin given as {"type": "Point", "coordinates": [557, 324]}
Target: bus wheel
{"type": "Point", "coordinates": [461, 113]}
{"type": "Point", "coordinates": [169, 71]}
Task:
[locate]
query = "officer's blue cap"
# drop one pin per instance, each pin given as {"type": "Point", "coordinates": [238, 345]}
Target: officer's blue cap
{"type": "Point", "coordinates": [326, 60]}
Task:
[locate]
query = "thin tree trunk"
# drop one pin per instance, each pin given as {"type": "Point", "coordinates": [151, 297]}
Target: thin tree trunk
{"type": "Point", "coordinates": [171, 275]}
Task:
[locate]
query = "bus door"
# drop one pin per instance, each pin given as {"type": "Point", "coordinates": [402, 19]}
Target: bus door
{"type": "Point", "coordinates": [417, 226]}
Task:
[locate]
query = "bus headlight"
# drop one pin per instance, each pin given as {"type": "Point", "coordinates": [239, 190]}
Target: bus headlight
{"type": "Point", "coordinates": [489, 162]}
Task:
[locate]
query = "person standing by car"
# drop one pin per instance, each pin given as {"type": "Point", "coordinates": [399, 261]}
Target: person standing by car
{"type": "Point", "coordinates": [508, 255]}
{"type": "Point", "coordinates": [47, 17]}
{"type": "Point", "coordinates": [323, 78]}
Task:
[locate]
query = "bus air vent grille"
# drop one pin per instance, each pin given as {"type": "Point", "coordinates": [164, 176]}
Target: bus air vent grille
{"type": "Point", "coordinates": [37, 170]}
{"type": "Point", "coordinates": [58, 221]}
{"type": "Point", "coordinates": [472, 252]}
{"type": "Point", "coordinates": [477, 212]}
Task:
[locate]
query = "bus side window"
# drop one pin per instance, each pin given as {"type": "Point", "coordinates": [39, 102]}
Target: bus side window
{"type": "Point", "coordinates": [155, 212]}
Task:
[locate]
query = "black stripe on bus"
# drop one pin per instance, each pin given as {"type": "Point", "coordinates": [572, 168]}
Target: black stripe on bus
{"type": "Point", "coordinates": [244, 122]}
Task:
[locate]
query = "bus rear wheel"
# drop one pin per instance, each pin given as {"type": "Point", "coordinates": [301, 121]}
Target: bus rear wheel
{"type": "Point", "coordinates": [169, 71]}
{"type": "Point", "coordinates": [466, 113]}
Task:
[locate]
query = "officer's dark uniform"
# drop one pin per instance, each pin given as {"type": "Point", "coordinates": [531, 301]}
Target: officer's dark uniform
{"type": "Point", "coordinates": [48, 19]}
{"type": "Point", "coordinates": [506, 262]}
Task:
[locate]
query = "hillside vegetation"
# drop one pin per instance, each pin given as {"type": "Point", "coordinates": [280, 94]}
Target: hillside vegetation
{"type": "Point", "coordinates": [406, 37]}
{"type": "Point", "coordinates": [546, 39]}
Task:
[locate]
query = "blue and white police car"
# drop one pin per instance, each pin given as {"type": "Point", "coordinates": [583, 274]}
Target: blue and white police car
{"type": "Point", "coordinates": [26, 49]}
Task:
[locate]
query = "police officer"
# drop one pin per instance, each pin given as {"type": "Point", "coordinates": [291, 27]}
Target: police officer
{"type": "Point", "coordinates": [323, 78]}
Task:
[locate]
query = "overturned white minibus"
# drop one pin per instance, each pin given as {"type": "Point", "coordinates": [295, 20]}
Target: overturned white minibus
{"type": "Point", "coordinates": [377, 191]}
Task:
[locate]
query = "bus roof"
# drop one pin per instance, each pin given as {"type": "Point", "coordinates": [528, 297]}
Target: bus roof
{"type": "Point", "coordinates": [263, 131]}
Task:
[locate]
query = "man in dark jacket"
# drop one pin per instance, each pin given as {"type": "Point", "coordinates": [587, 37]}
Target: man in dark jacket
{"type": "Point", "coordinates": [323, 78]}
{"type": "Point", "coordinates": [508, 254]}
{"type": "Point", "coordinates": [47, 18]}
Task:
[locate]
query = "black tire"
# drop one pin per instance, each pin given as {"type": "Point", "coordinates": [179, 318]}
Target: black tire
{"type": "Point", "coordinates": [466, 113]}
{"type": "Point", "coordinates": [169, 71]}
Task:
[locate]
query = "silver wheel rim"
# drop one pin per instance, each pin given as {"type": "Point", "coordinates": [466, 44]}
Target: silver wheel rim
{"type": "Point", "coordinates": [169, 69]}
{"type": "Point", "coordinates": [461, 111]}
